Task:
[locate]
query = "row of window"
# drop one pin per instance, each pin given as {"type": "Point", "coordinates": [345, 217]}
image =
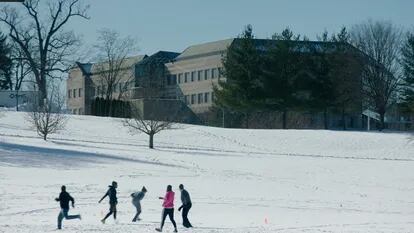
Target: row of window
{"type": "Point", "coordinates": [118, 87]}
{"type": "Point", "coordinates": [77, 111]}
{"type": "Point", "coordinates": [101, 89]}
{"type": "Point", "coordinates": [74, 93]}
{"type": "Point", "coordinates": [199, 98]}
{"type": "Point", "coordinates": [194, 76]}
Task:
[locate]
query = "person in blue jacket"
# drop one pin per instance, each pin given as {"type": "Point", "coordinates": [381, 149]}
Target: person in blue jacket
{"type": "Point", "coordinates": [136, 201]}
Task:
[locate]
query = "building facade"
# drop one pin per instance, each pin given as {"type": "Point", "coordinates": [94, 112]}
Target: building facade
{"type": "Point", "coordinates": [180, 79]}
{"type": "Point", "coordinates": [195, 71]}
{"type": "Point", "coordinates": [86, 82]}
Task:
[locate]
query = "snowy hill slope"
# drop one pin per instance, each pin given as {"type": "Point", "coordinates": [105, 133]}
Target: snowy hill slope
{"type": "Point", "coordinates": [240, 180]}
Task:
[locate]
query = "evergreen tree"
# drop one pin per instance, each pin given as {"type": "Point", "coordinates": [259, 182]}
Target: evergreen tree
{"type": "Point", "coordinates": [5, 64]}
{"type": "Point", "coordinates": [336, 85]}
{"type": "Point", "coordinates": [407, 62]}
{"type": "Point", "coordinates": [282, 66]}
{"type": "Point", "coordinates": [342, 37]}
{"type": "Point", "coordinates": [347, 68]}
{"type": "Point", "coordinates": [322, 85]}
{"type": "Point", "coordinates": [242, 69]}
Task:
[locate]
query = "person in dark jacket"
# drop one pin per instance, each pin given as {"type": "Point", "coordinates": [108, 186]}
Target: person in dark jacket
{"type": "Point", "coordinates": [64, 199]}
{"type": "Point", "coordinates": [186, 206]}
{"type": "Point", "coordinates": [113, 200]}
{"type": "Point", "coordinates": [136, 201]}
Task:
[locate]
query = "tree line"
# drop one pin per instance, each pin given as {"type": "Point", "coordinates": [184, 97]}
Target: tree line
{"type": "Point", "coordinates": [364, 68]}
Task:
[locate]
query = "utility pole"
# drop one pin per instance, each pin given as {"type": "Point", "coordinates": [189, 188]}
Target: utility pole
{"type": "Point", "coordinates": [17, 89]}
{"type": "Point", "coordinates": [223, 125]}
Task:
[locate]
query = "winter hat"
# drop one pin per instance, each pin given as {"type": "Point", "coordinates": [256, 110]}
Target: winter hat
{"type": "Point", "coordinates": [144, 189]}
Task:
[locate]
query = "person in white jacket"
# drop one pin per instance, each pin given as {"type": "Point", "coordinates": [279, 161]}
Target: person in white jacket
{"type": "Point", "coordinates": [136, 201]}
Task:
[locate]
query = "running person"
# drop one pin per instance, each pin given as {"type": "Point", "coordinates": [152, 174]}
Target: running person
{"type": "Point", "coordinates": [168, 206]}
{"type": "Point", "coordinates": [136, 201]}
{"type": "Point", "coordinates": [63, 199]}
{"type": "Point", "coordinates": [113, 200]}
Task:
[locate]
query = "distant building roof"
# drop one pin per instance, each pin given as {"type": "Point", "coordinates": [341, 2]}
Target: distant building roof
{"type": "Point", "coordinates": [127, 63]}
{"type": "Point", "coordinates": [215, 47]}
{"type": "Point", "coordinates": [85, 67]}
{"type": "Point", "coordinates": [90, 68]}
{"type": "Point", "coordinates": [219, 47]}
{"type": "Point", "coordinates": [161, 57]}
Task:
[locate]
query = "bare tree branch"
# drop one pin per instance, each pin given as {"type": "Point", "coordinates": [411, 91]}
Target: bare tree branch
{"type": "Point", "coordinates": [381, 41]}
{"type": "Point", "coordinates": [45, 44]}
{"type": "Point", "coordinates": [48, 118]}
{"type": "Point", "coordinates": [153, 122]}
{"type": "Point", "coordinates": [113, 66]}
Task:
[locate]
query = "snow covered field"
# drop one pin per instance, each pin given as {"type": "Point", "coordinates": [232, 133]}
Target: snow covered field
{"type": "Point", "coordinates": [240, 180]}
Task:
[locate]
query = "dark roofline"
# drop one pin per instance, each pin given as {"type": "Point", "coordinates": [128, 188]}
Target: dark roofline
{"type": "Point", "coordinates": [221, 52]}
{"type": "Point", "coordinates": [82, 68]}
{"type": "Point", "coordinates": [200, 55]}
{"type": "Point", "coordinates": [166, 54]}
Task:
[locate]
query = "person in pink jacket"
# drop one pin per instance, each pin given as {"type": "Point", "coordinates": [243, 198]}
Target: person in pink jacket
{"type": "Point", "coordinates": [168, 206]}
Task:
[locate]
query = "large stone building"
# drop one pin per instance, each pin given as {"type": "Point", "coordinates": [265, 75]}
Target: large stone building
{"type": "Point", "coordinates": [188, 77]}
{"type": "Point", "coordinates": [196, 70]}
{"type": "Point", "coordinates": [175, 79]}
{"type": "Point", "coordinates": [85, 84]}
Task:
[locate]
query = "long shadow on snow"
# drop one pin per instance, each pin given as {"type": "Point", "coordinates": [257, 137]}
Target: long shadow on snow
{"type": "Point", "coordinates": [32, 156]}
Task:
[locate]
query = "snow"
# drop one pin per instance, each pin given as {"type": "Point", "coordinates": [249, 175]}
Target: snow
{"type": "Point", "coordinates": [240, 180]}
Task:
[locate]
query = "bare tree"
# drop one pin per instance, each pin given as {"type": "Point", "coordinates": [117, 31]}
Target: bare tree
{"type": "Point", "coordinates": [113, 51]}
{"type": "Point", "coordinates": [21, 67]}
{"type": "Point", "coordinates": [48, 118]}
{"type": "Point", "coordinates": [45, 43]}
{"type": "Point", "coordinates": [381, 41]}
{"type": "Point", "coordinates": [159, 117]}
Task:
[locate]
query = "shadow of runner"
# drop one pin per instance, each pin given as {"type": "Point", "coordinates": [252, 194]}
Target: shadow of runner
{"type": "Point", "coordinates": [33, 156]}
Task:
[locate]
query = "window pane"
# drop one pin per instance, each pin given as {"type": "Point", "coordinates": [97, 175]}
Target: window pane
{"type": "Point", "coordinates": [206, 97]}
{"type": "Point", "coordinates": [207, 74]}
{"type": "Point", "coordinates": [186, 77]}
{"type": "Point", "coordinates": [200, 75]}
{"type": "Point", "coordinates": [200, 98]}
{"type": "Point", "coordinates": [214, 73]}
{"type": "Point", "coordinates": [180, 78]}
{"type": "Point", "coordinates": [174, 80]}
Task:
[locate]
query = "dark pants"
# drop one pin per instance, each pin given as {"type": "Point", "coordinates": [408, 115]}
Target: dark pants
{"type": "Point", "coordinates": [112, 210]}
{"type": "Point", "coordinates": [138, 207]}
{"type": "Point", "coordinates": [64, 214]}
{"type": "Point", "coordinates": [186, 209]}
{"type": "Point", "coordinates": [170, 213]}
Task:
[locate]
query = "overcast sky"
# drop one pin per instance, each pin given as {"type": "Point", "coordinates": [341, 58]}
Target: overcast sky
{"type": "Point", "coordinates": [175, 24]}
